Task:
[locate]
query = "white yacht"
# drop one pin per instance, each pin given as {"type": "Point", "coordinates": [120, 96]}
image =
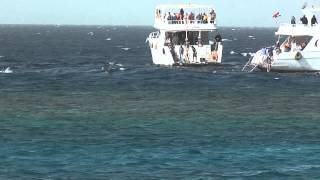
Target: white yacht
{"type": "Point", "coordinates": [300, 49]}
{"type": "Point", "coordinates": [186, 35]}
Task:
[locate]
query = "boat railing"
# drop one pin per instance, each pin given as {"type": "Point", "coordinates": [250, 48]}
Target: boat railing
{"type": "Point", "coordinates": [181, 22]}
{"type": "Point", "coordinates": [154, 35]}
{"type": "Point", "coordinates": [299, 25]}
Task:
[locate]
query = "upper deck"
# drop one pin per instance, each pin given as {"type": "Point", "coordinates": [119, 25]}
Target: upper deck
{"type": "Point", "coordinates": [179, 17]}
{"type": "Point", "coordinates": [298, 30]}
{"type": "Point", "coordinates": [310, 28]}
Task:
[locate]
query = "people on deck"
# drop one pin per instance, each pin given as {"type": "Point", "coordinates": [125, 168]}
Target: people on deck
{"type": "Point", "coordinates": [287, 47]}
{"type": "Point", "coordinates": [158, 13]}
{"type": "Point", "coordinates": [205, 18]}
{"type": "Point", "coordinates": [314, 20]}
{"type": "Point", "coordinates": [293, 21]}
{"type": "Point", "coordinates": [191, 18]}
{"type": "Point", "coordinates": [194, 54]}
{"type": "Point", "coordinates": [177, 18]}
{"type": "Point", "coordinates": [169, 18]}
{"type": "Point", "coordinates": [186, 17]}
{"type": "Point", "coordinates": [213, 16]}
{"type": "Point", "coordinates": [181, 51]}
{"type": "Point", "coordinates": [186, 53]}
{"type": "Point", "coordinates": [304, 20]}
{"type": "Point", "coordinates": [182, 13]}
{"type": "Point", "coordinates": [182, 17]}
{"type": "Point", "coordinates": [268, 52]}
{"type": "Point", "coordinates": [199, 18]}
{"type": "Point", "coordinates": [218, 38]}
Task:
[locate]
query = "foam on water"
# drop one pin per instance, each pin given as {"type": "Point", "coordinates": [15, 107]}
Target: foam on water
{"type": "Point", "coordinates": [226, 40]}
{"type": "Point", "coordinates": [233, 52]}
{"type": "Point", "coordinates": [126, 49]}
{"type": "Point", "coordinates": [244, 54]}
{"type": "Point", "coordinates": [7, 71]}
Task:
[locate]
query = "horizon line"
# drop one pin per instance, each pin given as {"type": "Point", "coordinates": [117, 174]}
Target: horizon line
{"type": "Point", "coordinates": [120, 25]}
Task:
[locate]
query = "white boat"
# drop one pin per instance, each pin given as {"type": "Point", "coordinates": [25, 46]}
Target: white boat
{"type": "Point", "coordinates": [186, 35]}
{"type": "Point", "coordinates": [299, 51]}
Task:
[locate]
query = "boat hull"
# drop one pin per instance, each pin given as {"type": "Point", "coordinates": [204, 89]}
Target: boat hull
{"type": "Point", "coordinates": [289, 61]}
{"type": "Point", "coordinates": [310, 64]}
{"type": "Point", "coordinates": [163, 56]}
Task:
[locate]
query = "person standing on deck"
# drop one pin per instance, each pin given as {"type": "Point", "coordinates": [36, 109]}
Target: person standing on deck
{"type": "Point", "coordinates": [194, 54]}
{"type": "Point", "coordinates": [186, 53]}
{"type": "Point", "coordinates": [293, 21]}
{"type": "Point", "coordinates": [181, 13]}
{"type": "Point", "coordinates": [181, 51]}
{"type": "Point", "coordinates": [304, 20]}
{"type": "Point", "coordinates": [314, 20]}
{"type": "Point", "coordinates": [213, 16]}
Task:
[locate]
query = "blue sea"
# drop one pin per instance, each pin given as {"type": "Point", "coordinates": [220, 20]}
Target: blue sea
{"type": "Point", "coordinates": [62, 116]}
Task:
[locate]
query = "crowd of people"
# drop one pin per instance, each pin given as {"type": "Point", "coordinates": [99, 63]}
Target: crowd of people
{"type": "Point", "coordinates": [187, 18]}
{"type": "Point", "coordinates": [304, 20]}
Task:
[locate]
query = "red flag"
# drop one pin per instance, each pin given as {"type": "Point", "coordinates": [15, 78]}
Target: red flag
{"type": "Point", "coordinates": [276, 15]}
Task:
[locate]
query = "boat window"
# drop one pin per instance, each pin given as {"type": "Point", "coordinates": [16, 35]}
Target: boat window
{"type": "Point", "coordinates": [296, 43]}
{"type": "Point", "coordinates": [179, 38]}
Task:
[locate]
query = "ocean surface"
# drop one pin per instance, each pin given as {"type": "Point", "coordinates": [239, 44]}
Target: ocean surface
{"type": "Point", "coordinates": [62, 116]}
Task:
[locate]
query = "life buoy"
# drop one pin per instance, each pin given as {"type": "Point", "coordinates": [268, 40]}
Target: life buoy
{"type": "Point", "coordinates": [298, 56]}
{"type": "Point", "coordinates": [278, 51]}
{"type": "Point", "coordinates": [214, 55]}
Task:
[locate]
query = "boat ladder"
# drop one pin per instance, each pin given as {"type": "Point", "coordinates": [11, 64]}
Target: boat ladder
{"type": "Point", "coordinates": [249, 67]}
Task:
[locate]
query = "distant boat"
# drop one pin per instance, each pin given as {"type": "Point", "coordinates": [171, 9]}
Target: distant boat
{"type": "Point", "coordinates": [187, 35]}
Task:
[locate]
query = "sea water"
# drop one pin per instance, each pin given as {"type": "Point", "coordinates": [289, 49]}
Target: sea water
{"type": "Point", "coordinates": [63, 116]}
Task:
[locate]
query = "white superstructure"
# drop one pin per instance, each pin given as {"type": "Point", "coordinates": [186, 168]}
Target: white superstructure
{"type": "Point", "coordinates": [186, 35]}
{"type": "Point", "coordinates": [300, 49]}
